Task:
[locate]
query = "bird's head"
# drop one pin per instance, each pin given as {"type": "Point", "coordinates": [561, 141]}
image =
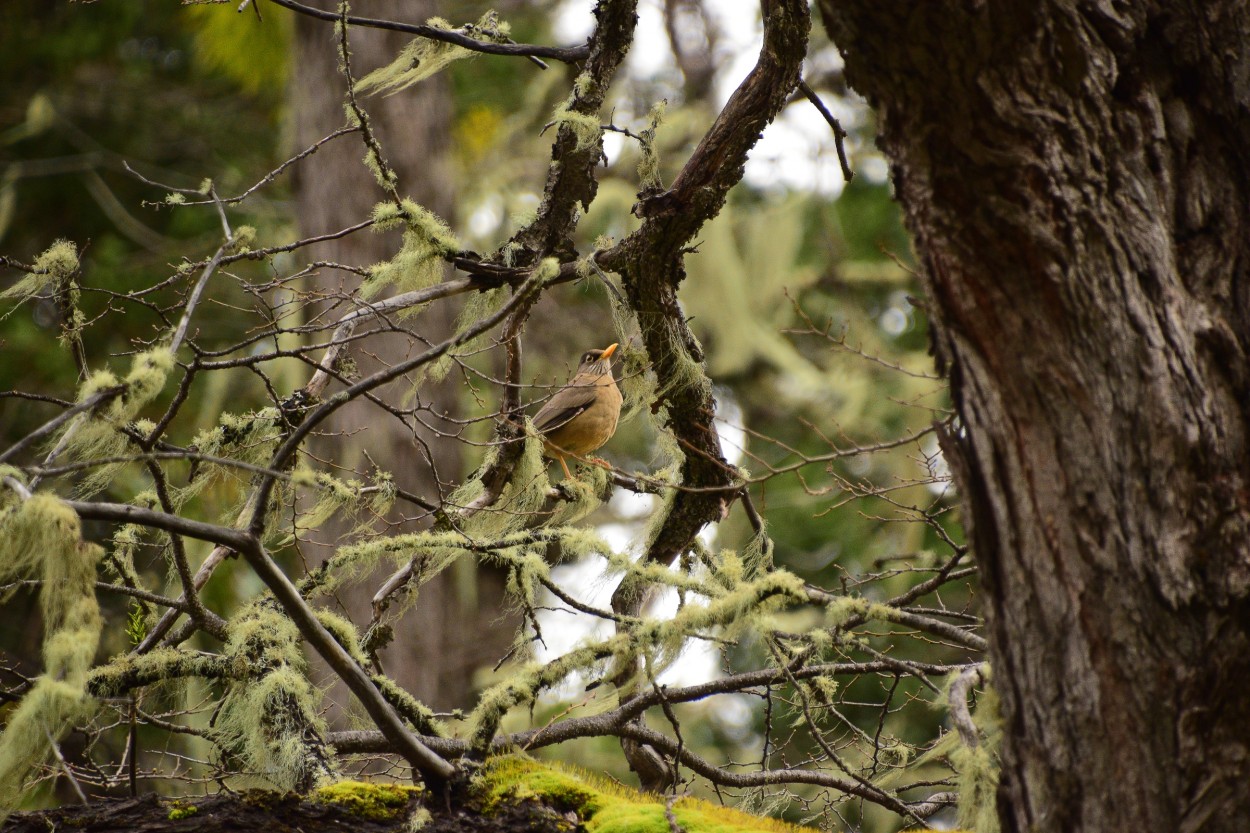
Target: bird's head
{"type": "Point", "coordinates": [597, 362]}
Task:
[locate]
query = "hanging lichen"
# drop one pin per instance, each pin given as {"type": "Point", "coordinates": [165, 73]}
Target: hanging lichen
{"type": "Point", "coordinates": [649, 162]}
{"type": "Point", "coordinates": [97, 434]}
{"type": "Point", "coordinates": [419, 262]}
{"type": "Point", "coordinates": [758, 552]}
{"type": "Point", "coordinates": [635, 377]}
{"type": "Point", "coordinates": [57, 265]}
{"type": "Point", "coordinates": [581, 495]}
{"type": "Point", "coordinates": [479, 305]}
{"type": "Point", "coordinates": [978, 767]}
{"type": "Point", "coordinates": [384, 494]}
{"type": "Point", "coordinates": [525, 684]}
{"type": "Point", "coordinates": [270, 718]}
{"type": "Point", "coordinates": [119, 561]}
{"type": "Point", "coordinates": [747, 607]}
{"type": "Point", "coordinates": [333, 495]}
{"type": "Point", "coordinates": [42, 536]}
{"type": "Point", "coordinates": [585, 127]}
{"type": "Point", "coordinates": [249, 438]}
{"type": "Point", "coordinates": [425, 57]}
{"type": "Point", "coordinates": [433, 551]}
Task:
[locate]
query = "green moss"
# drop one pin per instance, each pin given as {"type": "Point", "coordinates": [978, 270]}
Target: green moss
{"type": "Point", "coordinates": [178, 811]}
{"type": "Point", "coordinates": [381, 802]}
{"type": "Point", "coordinates": [607, 807]}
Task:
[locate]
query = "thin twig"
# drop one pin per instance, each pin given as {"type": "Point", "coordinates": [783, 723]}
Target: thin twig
{"type": "Point", "coordinates": [839, 134]}
{"type": "Point", "coordinates": [60, 759]}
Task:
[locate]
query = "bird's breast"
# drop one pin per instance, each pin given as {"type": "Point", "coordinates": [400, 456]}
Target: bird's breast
{"type": "Point", "coordinates": [594, 426]}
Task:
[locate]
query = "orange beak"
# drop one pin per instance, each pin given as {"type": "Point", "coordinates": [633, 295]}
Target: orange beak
{"type": "Point", "coordinates": [608, 351]}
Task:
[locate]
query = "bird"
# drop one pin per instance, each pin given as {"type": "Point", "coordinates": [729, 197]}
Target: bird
{"type": "Point", "coordinates": [581, 416]}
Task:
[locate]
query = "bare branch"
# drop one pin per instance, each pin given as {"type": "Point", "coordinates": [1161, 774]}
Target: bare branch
{"type": "Point", "coordinates": [568, 55]}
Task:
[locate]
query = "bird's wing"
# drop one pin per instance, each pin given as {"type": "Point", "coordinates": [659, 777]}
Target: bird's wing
{"type": "Point", "coordinates": [565, 405]}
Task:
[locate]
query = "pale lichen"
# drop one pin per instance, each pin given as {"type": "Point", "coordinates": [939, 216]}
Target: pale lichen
{"type": "Point", "coordinates": [98, 434]}
{"type": "Point", "coordinates": [424, 57]}
{"type": "Point", "coordinates": [270, 717]}
{"type": "Point", "coordinates": [58, 264]}
{"type": "Point", "coordinates": [649, 162]}
{"type": "Point", "coordinates": [585, 127]}
{"type": "Point", "coordinates": [42, 536]}
{"type": "Point", "coordinates": [419, 262]}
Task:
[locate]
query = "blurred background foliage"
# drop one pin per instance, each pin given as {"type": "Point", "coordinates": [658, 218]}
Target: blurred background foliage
{"type": "Point", "coordinates": [801, 295]}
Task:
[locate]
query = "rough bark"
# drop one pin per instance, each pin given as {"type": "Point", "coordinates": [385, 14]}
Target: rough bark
{"type": "Point", "coordinates": [454, 629]}
{"type": "Point", "coordinates": [1075, 175]}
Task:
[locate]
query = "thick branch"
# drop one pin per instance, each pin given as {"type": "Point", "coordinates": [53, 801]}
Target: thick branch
{"type": "Point", "coordinates": [650, 260]}
{"type": "Point", "coordinates": [125, 513]}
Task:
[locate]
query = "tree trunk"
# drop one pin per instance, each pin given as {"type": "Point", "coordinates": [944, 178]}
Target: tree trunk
{"type": "Point", "coordinates": [1076, 178]}
{"type": "Point", "coordinates": [454, 629]}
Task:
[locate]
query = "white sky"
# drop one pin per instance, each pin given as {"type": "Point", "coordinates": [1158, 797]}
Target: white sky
{"type": "Point", "coordinates": [796, 152]}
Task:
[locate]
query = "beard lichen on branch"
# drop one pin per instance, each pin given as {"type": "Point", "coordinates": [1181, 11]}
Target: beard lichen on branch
{"type": "Point", "coordinates": [424, 57]}
{"type": "Point", "coordinates": [585, 127]}
{"type": "Point", "coordinates": [55, 271]}
{"type": "Point", "coordinates": [98, 433]}
{"type": "Point", "coordinates": [479, 306]}
{"type": "Point", "coordinates": [42, 536]}
{"type": "Point", "coordinates": [56, 266]}
{"type": "Point", "coordinates": [426, 243]}
{"type": "Point", "coordinates": [269, 717]}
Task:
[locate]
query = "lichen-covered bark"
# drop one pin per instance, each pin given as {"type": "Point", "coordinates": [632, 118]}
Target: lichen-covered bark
{"type": "Point", "coordinates": [651, 263]}
{"type": "Point", "coordinates": [571, 183]}
{"type": "Point", "coordinates": [1075, 175]}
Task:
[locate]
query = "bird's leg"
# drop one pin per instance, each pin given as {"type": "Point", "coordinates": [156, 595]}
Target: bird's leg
{"type": "Point", "coordinates": [600, 462]}
{"type": "Point", "coordinates": [565, 466]}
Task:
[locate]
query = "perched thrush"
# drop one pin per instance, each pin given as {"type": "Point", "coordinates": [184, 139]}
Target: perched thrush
{"type": "Point", "coordinates": [582, 415]}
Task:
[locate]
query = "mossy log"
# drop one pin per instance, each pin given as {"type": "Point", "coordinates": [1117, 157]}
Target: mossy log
{"type": "Point", "coordinates": [509, 794]}
{"type": "Point", "coordinates": [283, 813]}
